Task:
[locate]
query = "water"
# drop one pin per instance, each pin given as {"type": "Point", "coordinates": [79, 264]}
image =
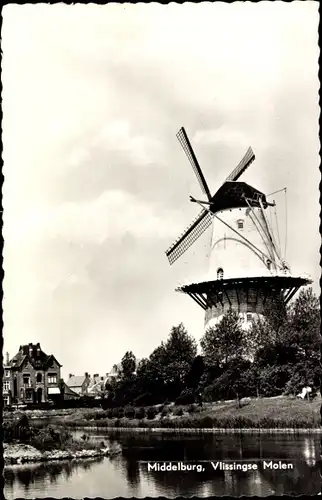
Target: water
{"type": "Point", "coordinates": [127, 474]}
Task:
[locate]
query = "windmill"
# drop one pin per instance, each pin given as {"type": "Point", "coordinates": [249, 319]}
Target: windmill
{"type": "Point", "coordinates": [247, 271]}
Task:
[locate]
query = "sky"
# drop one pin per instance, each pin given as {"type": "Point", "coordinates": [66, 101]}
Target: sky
{"type": "Point", "coordinates": [96, 184]}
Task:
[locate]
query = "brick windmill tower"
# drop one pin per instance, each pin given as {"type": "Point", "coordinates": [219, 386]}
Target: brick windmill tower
{"type": "Point", "coordinates": [246, 269]}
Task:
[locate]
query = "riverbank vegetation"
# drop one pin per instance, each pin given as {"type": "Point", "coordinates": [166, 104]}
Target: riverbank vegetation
{"type": "Point", "coordinates": [276, 356]}
{"type": "Point", "coordinates": [267, 413]}
{"type": "Point", "coordinates": [43, 437]}
{"type": "Point", "coordinates": [268, 365]}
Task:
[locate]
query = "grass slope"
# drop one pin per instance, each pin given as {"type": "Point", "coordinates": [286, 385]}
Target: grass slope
{"type": "Point", "coordinates": [267, 413]}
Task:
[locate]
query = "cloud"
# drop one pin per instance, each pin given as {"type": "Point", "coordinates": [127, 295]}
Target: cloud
{"type": "Point", "coordinates": [224, 134]}
{"type": "Point", "coordinates": [112, 215]}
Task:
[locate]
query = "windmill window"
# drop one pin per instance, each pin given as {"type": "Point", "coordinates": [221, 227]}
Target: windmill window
{"type": "Point", "coordinates": [249, 316]}
{"type": "Point", "coordinates": [220, 274]}
{"type": "Point", "coordinates": [240, 224]}
{"type": "Point", "coordinates": [268, 263]}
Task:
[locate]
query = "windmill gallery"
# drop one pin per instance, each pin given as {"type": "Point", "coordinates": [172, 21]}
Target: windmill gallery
{"type": "Point", "coordinates": [247, 271]}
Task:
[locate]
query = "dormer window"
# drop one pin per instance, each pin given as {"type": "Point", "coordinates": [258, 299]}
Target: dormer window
{"type": "Point", "coordinates": [240, 224]}
{"type": "Point", "coordinates": [220, 274]}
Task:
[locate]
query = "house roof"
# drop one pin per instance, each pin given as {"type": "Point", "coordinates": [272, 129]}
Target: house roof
{"type": "Point", "coordinates": [76, 381]}
{"type": "Point", "coordinates": [69, 392]}
{"type": "Point", "coordinates": [33, 353]}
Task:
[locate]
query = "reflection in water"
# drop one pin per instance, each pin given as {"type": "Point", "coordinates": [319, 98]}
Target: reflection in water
{"type": "Point", "coordinates": [29, 475]}
{"type": "Point", "coordinates": [127, 474]}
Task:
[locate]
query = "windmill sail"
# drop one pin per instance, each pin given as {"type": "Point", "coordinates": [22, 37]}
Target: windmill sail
{"type": "Point", "coordinates": [191, 234]}
{"type": "Point", "coordinates": [186, 146]}
{"type": "Point", "coordinates": [242, 165]}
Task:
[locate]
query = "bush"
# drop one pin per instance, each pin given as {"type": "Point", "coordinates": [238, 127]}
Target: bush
{"type": "Point", "coordinates": [140, 413]}
{"type": "Point", "coordinates": [165, 411]}
{"type": "Point", "coordinates": [129, 412]}
{"type": "Point", "coordinates": [117, 413]}
{"type": "Point", "coordinates": [178, 412]}
{"type": "Point", "coordinates": [303, 375]}
{"type": "Point", "coordinates": [50, 438]}
{"type": "Point", "coordinates": [151, 412]}
{"type": "Point", "coordinates": [192, 408]}
{"type": "Point", "coordinates": [273, 380]}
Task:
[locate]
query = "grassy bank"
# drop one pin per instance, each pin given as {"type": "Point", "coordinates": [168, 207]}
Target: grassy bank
{"type": "Point", "coordinates": [282, 413]}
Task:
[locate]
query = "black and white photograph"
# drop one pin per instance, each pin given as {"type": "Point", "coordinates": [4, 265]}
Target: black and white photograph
{"type": "Point", "coordinates": [161, 214]}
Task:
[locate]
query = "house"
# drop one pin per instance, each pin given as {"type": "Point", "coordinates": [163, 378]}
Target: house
{"type": "Point", "coordinates": [79, 383]}
{"type": "Point", "coordinates": [6, 386]}
{"type": "Point", "coordinates": [31, 376]}
{"type": "Point", "coordinates": [68, 393]}
{"type": "Point", "coordinates": [115, 372]}
{"type": "Point", "coordinates": [97, 385]}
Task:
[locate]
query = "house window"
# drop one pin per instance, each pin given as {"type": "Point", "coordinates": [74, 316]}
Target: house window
{"type": "Point", "coordinates": [240, 224]}
{"type": "Point", "coordinates": [249, 316]}
{"type": "Point", "coordinates": [6, 400]}
{"type": "Point", "coordinates": [39, 377]}
{"type": "Point", "coordinates": [7, 373]}
{"type": "Point", "coordinates": [26, 380]}
{"type": "Point", "coordinates": [52, 378]}
{"type": "Point", "coordinates": [6, 386]}
{"type": "Point", "coordinates": [220, 274]}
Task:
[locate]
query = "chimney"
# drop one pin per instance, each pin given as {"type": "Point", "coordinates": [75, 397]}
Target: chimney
{"type": "Point", "coordinates": [30, 349]}
{"type": "Point", "coordinates": [70, 375]}
{"type": "Point", "coordinates": [7, 358]}
{"type": "Point", "coordinates": [87, 375]}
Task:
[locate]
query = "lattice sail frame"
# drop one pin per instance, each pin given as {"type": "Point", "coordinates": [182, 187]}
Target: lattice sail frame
{"type": "Point", "coordinates": [204, 218]}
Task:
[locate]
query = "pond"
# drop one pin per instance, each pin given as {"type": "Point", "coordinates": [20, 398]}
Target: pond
{"type": "Point", "coordinates": [128, 474]}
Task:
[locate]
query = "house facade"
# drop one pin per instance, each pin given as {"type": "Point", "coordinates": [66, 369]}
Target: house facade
{"type": "Point", "coordinates": [6, 385]}
{"type": "Point", "coordinates": [31, 376]}
{"type": "Point", "coordinates": [79, 383]}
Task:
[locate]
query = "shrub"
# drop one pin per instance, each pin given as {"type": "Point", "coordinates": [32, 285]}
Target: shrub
{"type": "Point", "coordinates": [117, 413]}
{"type": "Point", "coordinates": [140, 413]}
{"type": "Point", "coordinates": [129, 412]}
{"type": "Point", "coordinates": [273, 380]}
{"type": "Point", "coordinates": [165, 411]}
{"type": "Point", "coordinates": [151, 412]}
{"type": "Point", "coordinates": [178, 412]}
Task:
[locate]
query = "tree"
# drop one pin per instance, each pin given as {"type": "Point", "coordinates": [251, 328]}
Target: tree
{"type": "Point", "coordinates": [128, 364]}
{"type": "Point", "coordinates": [180, 346]}
{"type": "Point", "coordinates": [225, 341]}
{"type": "Point", "coordinates": [305, 324]}
{"type": "Point", "coordinates": [195, 373]}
